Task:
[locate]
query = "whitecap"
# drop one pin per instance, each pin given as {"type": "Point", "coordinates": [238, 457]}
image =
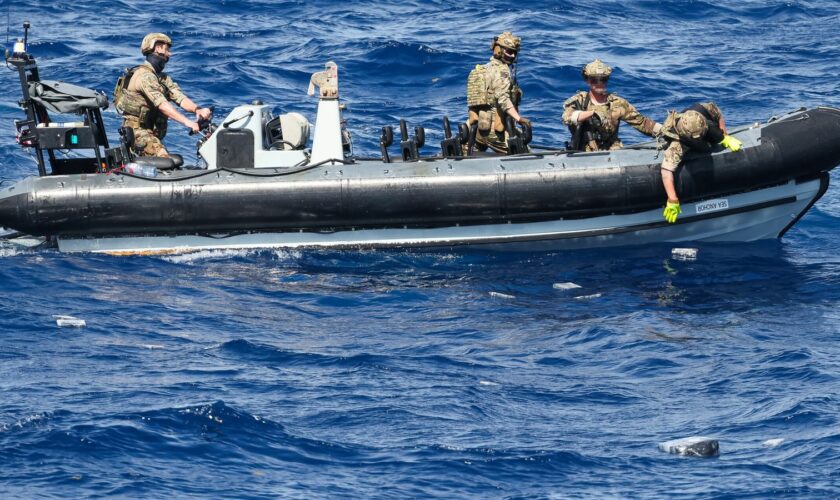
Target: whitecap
{"type": "Point", "coordinates": [772, 443]}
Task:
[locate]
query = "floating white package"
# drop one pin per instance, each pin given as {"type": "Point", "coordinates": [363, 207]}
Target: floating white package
{"type": "Point", "coordinates": [694, 446]}
{"type": "Point", "coordinates": [684, 253]}
{"type": "Point", "coordinates": [69, 321]}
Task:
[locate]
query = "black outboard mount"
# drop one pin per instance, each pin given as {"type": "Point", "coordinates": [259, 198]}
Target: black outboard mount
{"type": "Point", "coordinates": [518, 140]}
{"type": "Point", "coordinates": [451, 146]}
{"type": "Point", "coordinates": [410, 146]}
{"type": "Point", "coordinates": [385, 140]}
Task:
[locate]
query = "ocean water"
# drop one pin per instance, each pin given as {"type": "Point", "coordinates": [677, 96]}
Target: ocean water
{"type": "Point", "coordinates": [414, 374]}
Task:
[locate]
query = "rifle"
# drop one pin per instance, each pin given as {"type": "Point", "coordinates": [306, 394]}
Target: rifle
{"type": "Point", "coordinates": [583, 133]}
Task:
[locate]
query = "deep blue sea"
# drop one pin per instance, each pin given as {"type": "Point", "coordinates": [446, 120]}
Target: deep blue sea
{"type": "Point", "coordinates": [339, 374]}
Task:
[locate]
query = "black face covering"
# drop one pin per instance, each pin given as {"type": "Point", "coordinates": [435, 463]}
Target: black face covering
{"type": "Point", "coordinates": [157, 62]}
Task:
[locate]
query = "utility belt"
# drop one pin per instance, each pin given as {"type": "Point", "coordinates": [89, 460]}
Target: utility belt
{"type": "Point", "coordinates": [158, 126]}
{"type": "Point", "coordinates": [488, 118]}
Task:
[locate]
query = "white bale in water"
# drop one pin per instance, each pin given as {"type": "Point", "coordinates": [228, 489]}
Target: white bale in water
{"type": "Point", "coordinates": [694, 446]}
{"type": "Point", "coordinates": [689, 254]}
{"type": "Point", "coordinates": [65, 321]}
{"type": "Point", "coordinates": [772, 443]}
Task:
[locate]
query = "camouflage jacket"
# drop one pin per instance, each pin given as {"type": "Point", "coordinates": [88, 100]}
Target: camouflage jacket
{"type": "Point", "coordinates": [499, 85]}
{"type": "Point", "coordinates": [614, 111]}
{"type": "Point", "coordinates": [146, 91]}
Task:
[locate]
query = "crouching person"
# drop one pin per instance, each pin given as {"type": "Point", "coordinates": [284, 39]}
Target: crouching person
{"type": "Point", "coordinates": [696, 128]}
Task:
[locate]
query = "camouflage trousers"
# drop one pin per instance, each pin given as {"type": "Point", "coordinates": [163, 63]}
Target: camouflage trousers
{"type": "Point", "coordinates": [495, 142]}
{"type": "Point", "coordinates": [146, 141]}
{"type": "Point", "coordinates": [673, 156]}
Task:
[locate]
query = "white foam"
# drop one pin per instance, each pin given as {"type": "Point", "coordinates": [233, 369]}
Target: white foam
{"type": "Point", "coordinates": [686, 254]}
{"type": "Point", "coordinates": [487, 382]}
{"type": "Point", "coordinates": [9, 252]}
{"type": "Point", "coordinates": [565, 286]}
{"type": "Point", "coordinates": [588, 297]}
{"type": "Point", "coordinates": [69, 321]}
{"type": "Point", "coordinates": [190, 257]}
{"type": "Point", "coordinates": [500, 295]}
{"type": "Point", "coordinates": [772, 443]}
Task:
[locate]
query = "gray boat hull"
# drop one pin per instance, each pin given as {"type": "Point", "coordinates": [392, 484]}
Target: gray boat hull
{"type": "Point", "coordinates": [752, 216]}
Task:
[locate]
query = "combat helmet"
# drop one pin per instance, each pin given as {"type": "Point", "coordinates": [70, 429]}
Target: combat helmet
{"type": "Point", "coordinates": [149, 41]}
{"type": "Point", "coordinates": [691, 125]}
{"type": "Point", "coordinates": [597, 69]}
{"type": "Point", "coordinates": [505, 41]}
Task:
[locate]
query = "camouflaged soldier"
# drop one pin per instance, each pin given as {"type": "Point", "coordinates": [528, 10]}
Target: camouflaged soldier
{"type": "Point", "coordinates": [493, 94]}
{"type": "Point", "coordinates": [696, 128]}
{"type": "Point", "coordinates": [593, 117]}
{"type": "Point", "coordinates": [143, 97]}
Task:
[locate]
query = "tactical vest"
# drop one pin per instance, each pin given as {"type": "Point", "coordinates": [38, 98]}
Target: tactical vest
{"type": "Point", "coordinates": [477, 87]}
{"type": "Point", "coordinates": [479, 92]}
{"type": "Point", "coordinates": [593, 130]}
{"type": "Point", "coordinates": [133, 104]}
{"type": "Point", "coordinates": [121, 87]}
{"type": "Point", "coordinates": [714, 134]}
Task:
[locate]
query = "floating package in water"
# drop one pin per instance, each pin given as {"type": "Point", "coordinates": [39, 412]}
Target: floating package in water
{"type": "Point", "coordinates": [694, 446]}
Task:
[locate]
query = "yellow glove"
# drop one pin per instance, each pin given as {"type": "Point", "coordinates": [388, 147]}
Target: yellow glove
{"type": "Point", "coordinates": [730, 142]}
{"type": "Point", "coordinates": [672, 210]}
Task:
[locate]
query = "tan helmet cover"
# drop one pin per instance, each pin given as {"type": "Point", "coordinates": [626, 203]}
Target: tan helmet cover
{"type": "Point", "coordinates": [507, 40]}
{"type": "Point", "coordinates": [692, 125]}
{"type": "Point", "coordinates": [149, 41]}
{"type": "Point", "coordinates": [596, 68]}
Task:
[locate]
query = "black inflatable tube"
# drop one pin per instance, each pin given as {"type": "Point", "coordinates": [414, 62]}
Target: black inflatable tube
{"type": "Point", "coordinates": [795, 148]}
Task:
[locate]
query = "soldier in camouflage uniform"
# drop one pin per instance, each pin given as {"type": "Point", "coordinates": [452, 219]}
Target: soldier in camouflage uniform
{"type": "Point", "coordinates": [145, 99]}
{"type": "Point", "coordinates": [696, 128]}
{"type": "Point", "coordinates": [578, 111]}
{"type": "Point", "coordinates": [492, 94]}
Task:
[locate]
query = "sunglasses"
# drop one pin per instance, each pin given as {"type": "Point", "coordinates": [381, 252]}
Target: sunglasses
{"type": "Point", "coordinates": [598, 80]}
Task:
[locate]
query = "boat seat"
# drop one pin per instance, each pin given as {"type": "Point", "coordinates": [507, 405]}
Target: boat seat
{"type": "Point", "coordinates": [174, 161]}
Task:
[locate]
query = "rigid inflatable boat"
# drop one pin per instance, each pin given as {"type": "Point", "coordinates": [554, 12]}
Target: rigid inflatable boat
{"type": "Point", "coordinates": [261, 186]}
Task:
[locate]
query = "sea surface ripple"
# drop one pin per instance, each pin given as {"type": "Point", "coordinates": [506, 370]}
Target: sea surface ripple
{"type": "Point", "coordinates": [412, 374]}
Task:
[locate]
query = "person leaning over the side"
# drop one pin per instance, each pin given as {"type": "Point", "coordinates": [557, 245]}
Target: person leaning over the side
{"type": "Point", "coordinates": [145, 99]}
{"type": "Point", "coordinates": [602, 112]}
{"type": "Point", "coordinates": [696, 128]}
